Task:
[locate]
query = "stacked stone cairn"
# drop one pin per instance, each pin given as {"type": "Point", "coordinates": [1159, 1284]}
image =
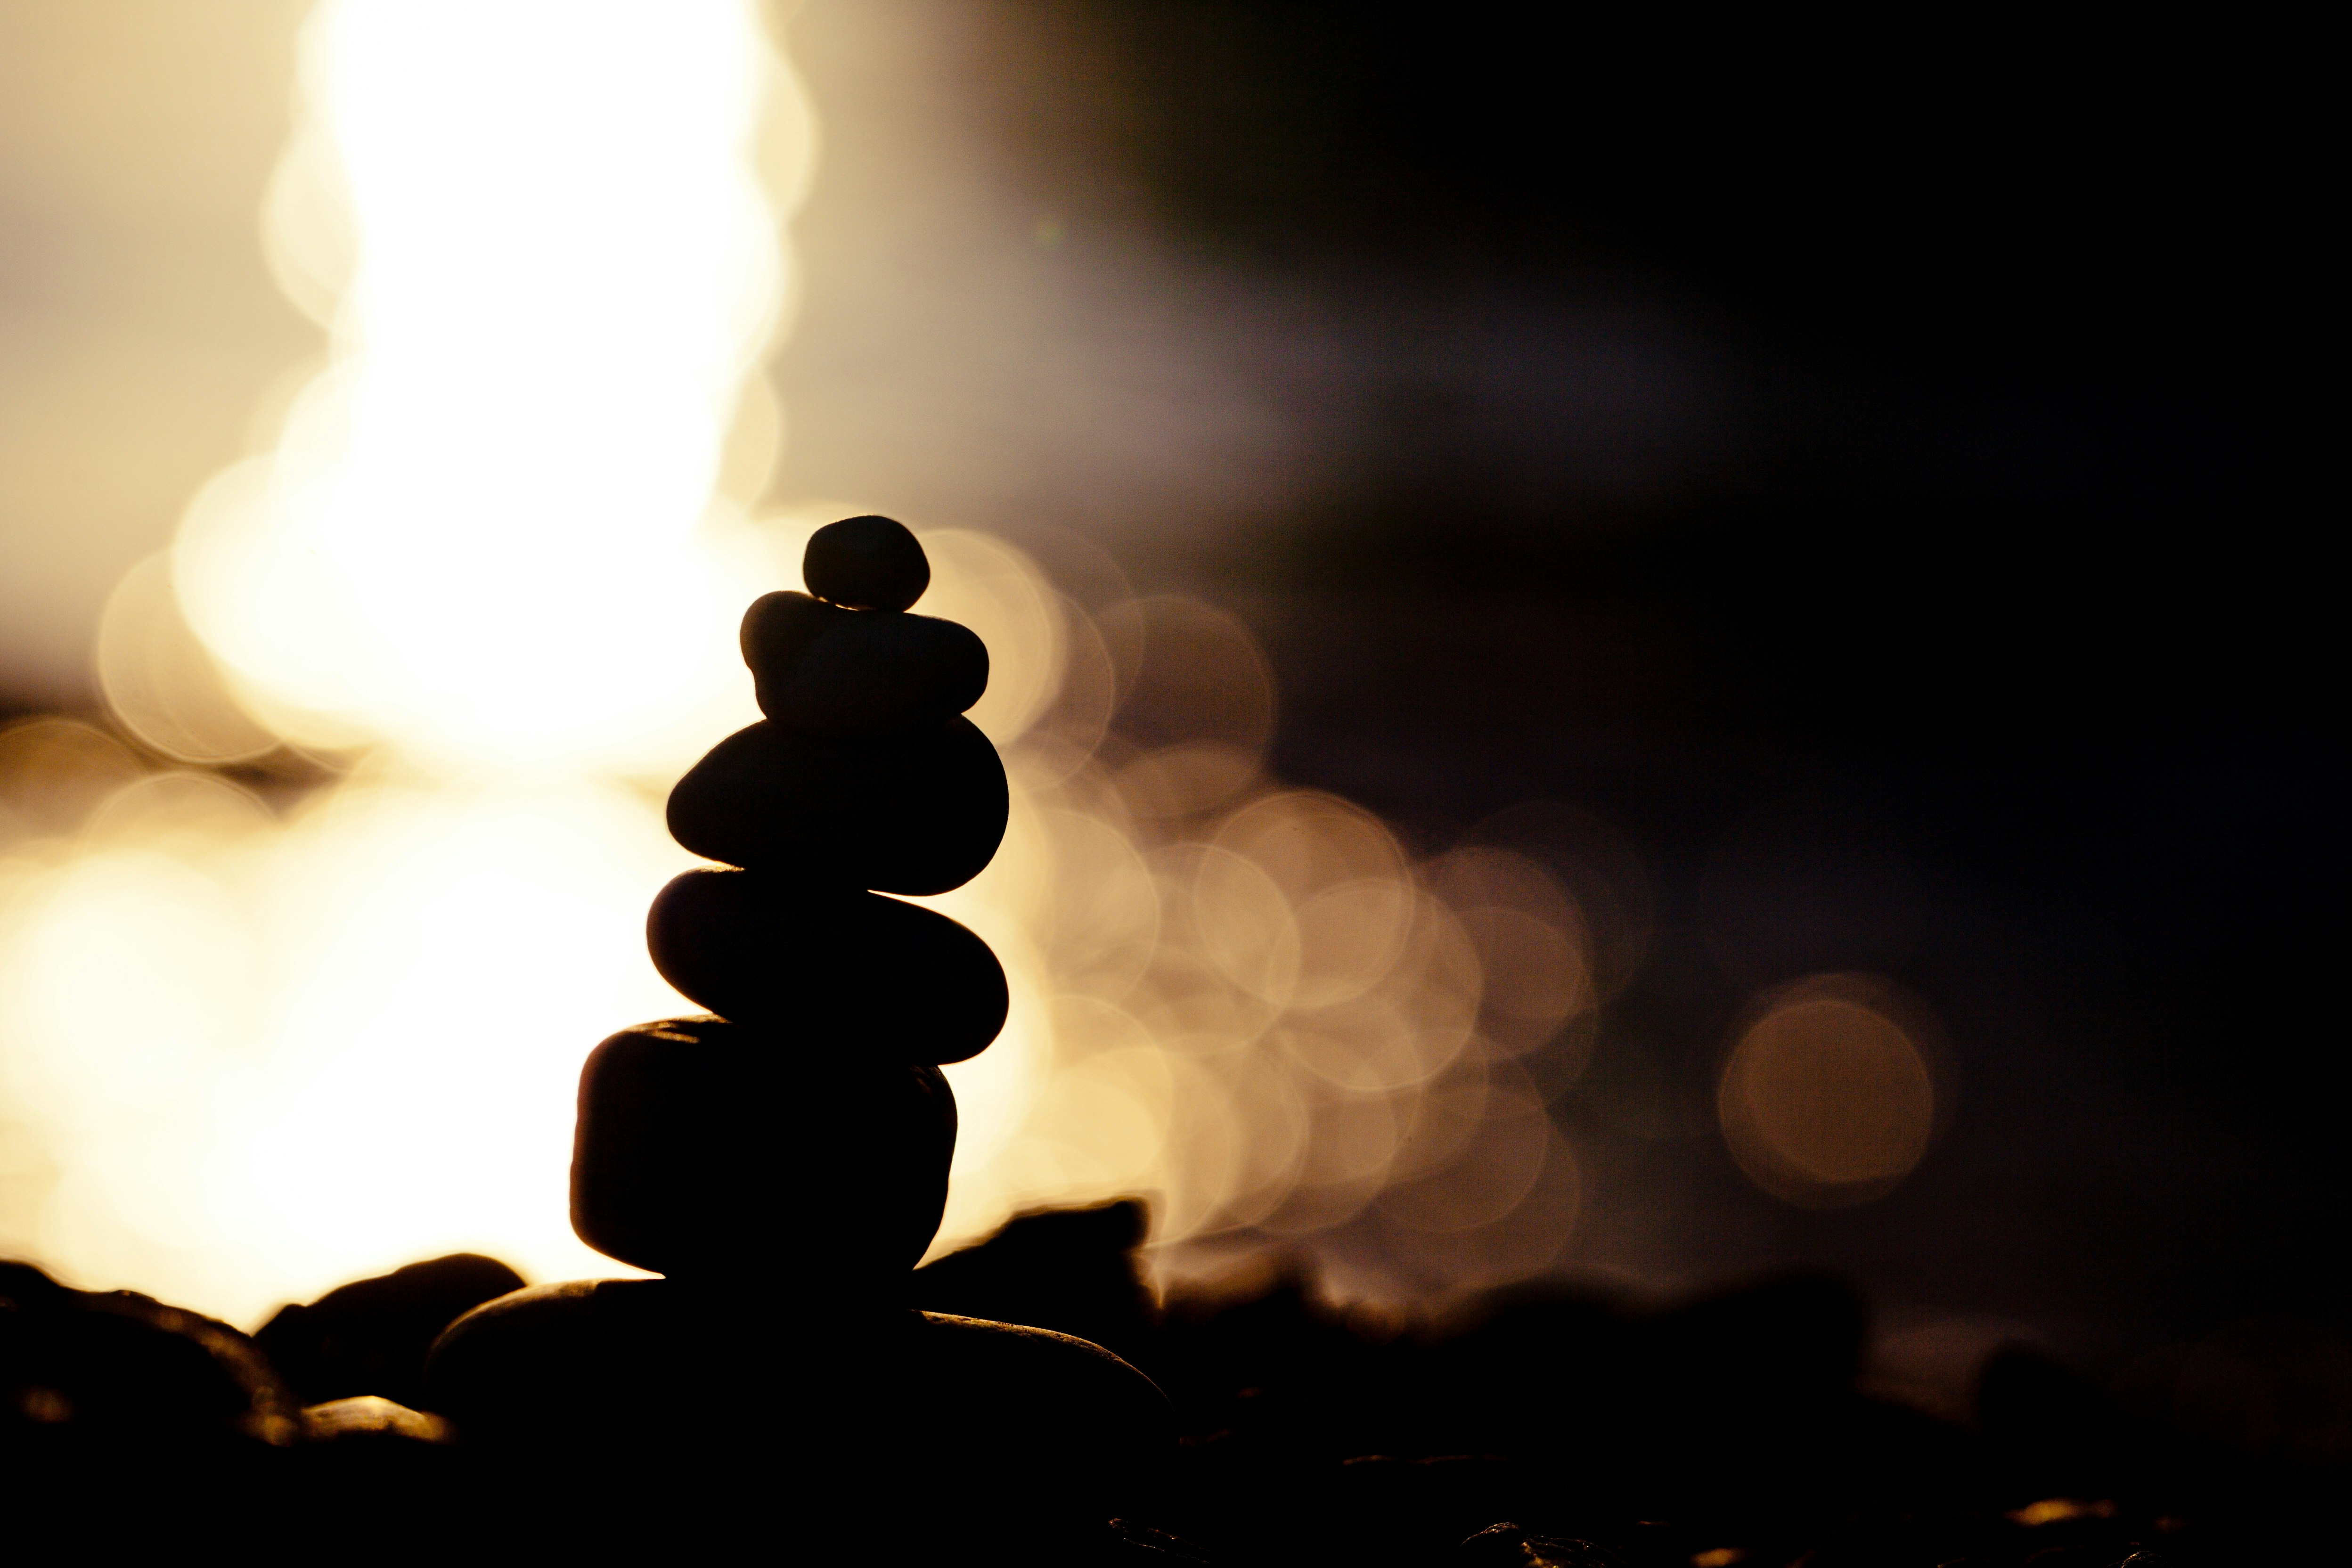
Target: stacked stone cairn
{"type": "Point", "coordinates": [784, 1163]}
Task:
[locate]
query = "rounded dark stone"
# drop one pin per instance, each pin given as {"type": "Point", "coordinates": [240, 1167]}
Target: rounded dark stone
{"type": "Point", "coordinates": [865, 563]}
{"type": "Point", "coordinates": [824, 670]}
{"type": "Point", "coordinates": [846, 971]}
{"type": "Point", "coordinates": [92, 1370]}
{"type": "Point", "coordinates": [912, 813]}
{"type": "Point", "coordinates": [130, 1430]}
{"type": "Point", "coordinates": [608, 1390]}
{"type": "Point", "coordinates": [697, 1137]}
{"type": "Point", "coordinates": [778, 628]}
{"type": "Point", "coordinates": [1014, 1422]}
{"type": "Point", "coordinates": [624, 1390]}
{"type": "Point", "coordinates": [370, 1336]}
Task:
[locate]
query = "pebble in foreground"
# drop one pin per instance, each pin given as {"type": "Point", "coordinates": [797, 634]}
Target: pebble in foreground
{"type": "Point", "coordinates": [783, 1165]}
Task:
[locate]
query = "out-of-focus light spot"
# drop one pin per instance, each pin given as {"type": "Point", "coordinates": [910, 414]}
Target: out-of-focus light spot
{"type": "Point", "coordinates": [1534, 971]}
{"type": "Point", "coordinates": [1534, 954]}
{"type": "Point", "coordinates": [1244, 924]}
{"type": "Point", "coordinates": [1568, 868]}
{"type": "Point", "coordinates": [161, 683]}
{"type": "Point", "coordinates": [1515, 1135]}
{"type": "Point", "coordinates": [1828, 1097]}
{"type": "Point", "coordinates": [1195, 700]}
{"type": "Point", "coordinates": [54, 773]}
{"type": "Point", "coordinates": [996, 591]}
{"type": "Point", "coordinates": [192, 813]}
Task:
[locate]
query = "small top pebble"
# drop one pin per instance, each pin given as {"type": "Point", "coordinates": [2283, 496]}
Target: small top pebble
{"type": "Point", "coordinates": [865, 563]}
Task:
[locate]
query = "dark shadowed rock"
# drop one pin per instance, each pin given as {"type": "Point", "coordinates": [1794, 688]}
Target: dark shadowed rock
{"type": "Point", "coordinates": [842, 971]}
{"type": "Point", "coordinates": [370, 1336]}
{"type": "Point", "coordinates": [1145, 1546]}
{"type": "Point", "coordinates": [865, 563]}
{"type": "Point", "coordinates": [913, 814]}
{"type": "Point", "coordinates": [1508, 1546]}
{"type": "Point", "coordinates": [395, 1476]}
{"type": "Point", "coordinates": [109, 1366]}
{"type": "Point", "coordinates": [653, 1399]}
{"type": "Point", "coordinates": [127, 1425]}
{"type": "Point", "coordinates": [1011, 1420]}
{"type": "Point", "coordinates": [582, 1364]}
{"type": "Point", "coordinates": [697, 1138]}
{"type": "Point", "coordinates": [778, 628]}
{"type": "Point", "coordinates": [1074, 1269]}
{"type": "Point", "coordinates": [825, 670]}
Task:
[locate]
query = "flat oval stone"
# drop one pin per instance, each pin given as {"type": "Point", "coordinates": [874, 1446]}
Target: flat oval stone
{"type": "Point", "coordinates": [653, 1404]}
{"type": "Point", "coordinates": [865, 563]}
{"type": "Point", "coordinates": [696, 1136]}
{"type": "Point", "coordinates": [824, 670]}
{"type": "Point", "coordinates": [862, 973]}
{"type": "Point", "coordinates": [911, 813]}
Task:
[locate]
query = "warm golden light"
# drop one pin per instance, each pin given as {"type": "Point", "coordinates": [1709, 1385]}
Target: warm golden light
{"type": "Point", "coordinates": [489, 575]}
{"type": "Point", "coordinates": [489, 563]}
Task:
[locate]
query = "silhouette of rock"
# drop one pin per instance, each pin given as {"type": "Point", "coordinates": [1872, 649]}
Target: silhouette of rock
{"type": "Point", "coordinates": [778, 627]}
{"type": "Point", "coordinates": [785, 1163]}
{"type": "Point", "coordinates": [585, 1364]}
{"type": "Point", "coordinates": [650, 1381]}
{"type": "Point", "coordinates": [842, 971]}
{"type": "Point", "coordinates": [824, 670]}
{"type": "Point", "coordinates": [1072, 1269]}
{"type": "Point", "coordinates": [696, 1135]}
{"type": "Point", "coordinates": [916, 814]}
{"type": "Point", "coordinates": [126, 1423]}
{"type": "Point", "coordinates": [865, 563]}
{"type": "Point", "coordinates": [370, 1336]}
{"type": "Point", "coordinates": [111, 1366]}
{"type": "Point", "coordinates": [1018, 1420]}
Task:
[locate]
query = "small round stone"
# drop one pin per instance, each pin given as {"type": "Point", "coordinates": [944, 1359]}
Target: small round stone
{"type": "Point", "coordinates": [697, 1137]}
{"type": "Point", "coordinates": [865, 563]}
{"type": "Point", "coordinates": [845, 971]}
{"type": "Point", "coordinates": [569, 1368]}
{"type": "Point", "coordinates": [778, 628]}
{"type": "Point", "coordinates": [824, 670]}
{"type": "Point", "coordinates": [916, 814]}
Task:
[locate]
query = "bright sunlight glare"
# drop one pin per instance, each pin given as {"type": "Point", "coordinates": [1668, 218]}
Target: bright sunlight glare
{"type": "Point", "coordinates": [489, 579]}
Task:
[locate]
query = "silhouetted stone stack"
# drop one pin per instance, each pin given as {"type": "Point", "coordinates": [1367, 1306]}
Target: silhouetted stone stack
{"type": "Point", "coordinates": [784, 1163]}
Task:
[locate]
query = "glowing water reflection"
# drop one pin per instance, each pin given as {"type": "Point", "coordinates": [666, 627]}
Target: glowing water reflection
{"type": "Point", "coordinates": [489, 573]}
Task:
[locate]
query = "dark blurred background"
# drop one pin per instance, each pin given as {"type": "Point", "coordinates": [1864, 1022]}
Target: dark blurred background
{"type": "Point", "coordinates": [1869, 469]}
